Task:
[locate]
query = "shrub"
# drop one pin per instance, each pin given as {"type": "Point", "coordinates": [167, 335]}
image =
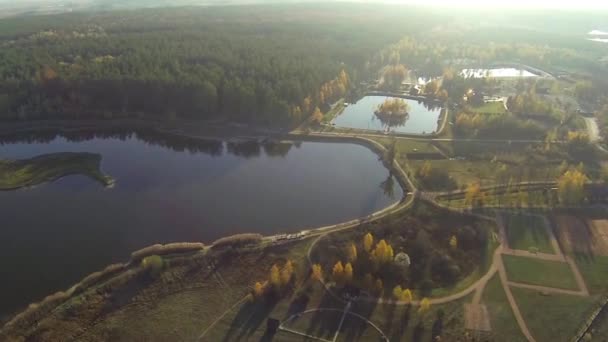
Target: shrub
{"type": "Point", "coordinates": [153, 265]}
{"type": "Point", "coordinates": [237, 240]}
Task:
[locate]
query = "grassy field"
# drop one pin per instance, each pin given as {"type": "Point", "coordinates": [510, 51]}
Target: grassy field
{"type": "Point", "coordinates": [539, 272]}
{"type": "Point", "coordinates": [16, 174]}
{"type": "Point", "coordinates": [398, 323]}
{"type": "Point", "coordinates": [503, 323]}
{"type": "Point", "coordinates": [594, 270]}
{"type": "Point", "coordinates": [488, 172]}
{"type": "Point", "coordinates": [525, 232]}
{"type": "Point", "coordinates": [489, 108]}
{"type": "Point", "coordinates": [554, 317]}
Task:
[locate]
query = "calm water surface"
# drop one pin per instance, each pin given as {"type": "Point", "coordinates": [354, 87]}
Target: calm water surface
{"type": "Point", "coordinates": [422, 117]}
{"type": "Point", "coordinates": [55, 234]}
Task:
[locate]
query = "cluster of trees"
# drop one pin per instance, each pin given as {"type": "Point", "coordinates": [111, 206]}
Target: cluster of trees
{"type": "Point", "coordinates": [502, 126]}
{"type": "Point", "coordinates": [392, 76]}
{"type": "Point", "coordinates": [529, 104]}
{"type": "Point", "coordinates": [432, 178]}
{"type": "Point", "coordinates": [571, 187]}
{"type": "Point", "coordinates": [279, 279]}
{"type": "Point", "coordinates": [393, 107]}
{"type": "Point", "coordinates": [195, 63]}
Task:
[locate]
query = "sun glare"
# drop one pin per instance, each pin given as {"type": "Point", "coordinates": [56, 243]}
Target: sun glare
{"type": "Point", "coordinates": [581, 4]}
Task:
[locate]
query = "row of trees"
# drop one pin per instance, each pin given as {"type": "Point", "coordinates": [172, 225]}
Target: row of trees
{"type": "Point", "coordinates": [570, 191]}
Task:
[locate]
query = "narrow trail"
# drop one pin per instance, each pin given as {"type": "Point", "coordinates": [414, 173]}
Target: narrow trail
{"type": "Point", "coordinates": [518, 316]}
{"type": "Point", "coordinates": [200, 337]}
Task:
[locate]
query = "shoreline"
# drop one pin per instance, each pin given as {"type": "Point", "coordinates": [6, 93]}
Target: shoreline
{"type": "Point", "coordinates": [56, 299]}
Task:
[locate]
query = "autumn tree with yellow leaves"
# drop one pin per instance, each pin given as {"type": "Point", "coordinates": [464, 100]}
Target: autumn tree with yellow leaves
{"type": "Point", "coordinates": [351, 252]}
{"type": "Point", "coordinates": [425, 305]}
{"type": "Point", "coordinates": [338, 273]}
{"type": "Point", "coordinates": [316, 116]}
{"type": "Point", "coordinates": [317, 272]}
{"type": "Point", "coordinates": [571, 187]}
{"type": "Point", "coordinates": [275, 276]}
{"type": "Point", "coordinates": [368, 242]}
{"type": "Point", "coordinates": [474, 196]}
{"type": "Point", "coordinates": [287, 273]}
{"type": "Point", "coordinates": [258, 289]}
{"type": "Point", "coordinates": [348, 273]}
{"type": "Point", "coordinates": [382, 254]}
{"type": "Point", "coordinates": [453, 242]}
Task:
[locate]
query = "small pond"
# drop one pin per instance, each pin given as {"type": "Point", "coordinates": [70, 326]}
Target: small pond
{"type": "Point", "coordinates": [497, 73]}
{"type": "Point", "coordinates": [422, 119]}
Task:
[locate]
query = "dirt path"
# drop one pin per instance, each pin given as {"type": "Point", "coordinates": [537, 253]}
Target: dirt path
{"type": "Point", "coordinates": [592, 129]}
{"type": "Point", "coordinates": [548, 289]}
{"type": "Point", "coordinates": [518, 316]}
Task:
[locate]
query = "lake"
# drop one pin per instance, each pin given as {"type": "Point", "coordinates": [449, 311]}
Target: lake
{"type": "Point", "coordinates": [166, 191]}
{"type": "Point", "coordinates": [423, 117]}
{"type": "Point", "coordinates": [497, 73]}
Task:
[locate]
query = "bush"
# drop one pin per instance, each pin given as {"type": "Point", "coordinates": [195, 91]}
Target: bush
{"type": "Point", "coordinates": [153, 265]}
{"type": "Point", "coordinates": [237, 240]}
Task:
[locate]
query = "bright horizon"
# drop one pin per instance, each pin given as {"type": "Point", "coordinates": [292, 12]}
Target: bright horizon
{"type": "Point", "coordinates": [531, 4]}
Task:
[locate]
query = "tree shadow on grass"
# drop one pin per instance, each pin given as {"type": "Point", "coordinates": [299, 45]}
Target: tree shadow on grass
{"type": "Point", "coordinates": [404, 322]}
{"type": "Point", "coordinates": [250, 317]}
{"type": "Point", "coordinates": [390, 316]}
{"type": "Point", "coordinates": [297, 305]}
{"type": "Point", "coordinates": [355, 327]}
{"type": "Point", "coordinates": [324, 322]}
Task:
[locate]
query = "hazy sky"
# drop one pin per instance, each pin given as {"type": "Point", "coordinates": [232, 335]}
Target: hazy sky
{"type": "Point", "coordinates": [570, 4]}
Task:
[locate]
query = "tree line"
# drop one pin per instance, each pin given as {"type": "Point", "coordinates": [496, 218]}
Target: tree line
{"type": "Point", "coordinates": [182, 63]}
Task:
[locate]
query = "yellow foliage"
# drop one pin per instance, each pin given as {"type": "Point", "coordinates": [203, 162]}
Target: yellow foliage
{"type": "Point", "coordinates": [258, 289]}
{"type": "Point", "coordinates": [352, 252]}
{"type": "Point", "coordinates": [317, 272]}
{"type": "Point", "coordinates": [287, 273]}
{"type": "Point", "coordinates": [394, 106]}
{"type": "Point", "coordinates": [275, 278]}
{"type": "Point", "coordinates": [425, 305]}
{"type": "Point", "coordinates": [383, 253]}
{"type": "Point", "coordinates": [571, 187]}
{"type": "Point", "coordinates": [317, 116]}
{"type": "Point", "coordinates": [406, 296]}
{"type": "Point", "coordinates": [348, 272]}
{"type": "Point", "coordinates": [474, 195]}
{"type": "Point", "coordinates": [338, 272]}
{"type": "Point", "coordinates": [454, 242]}
{"type": "Point", "coordinates": [397, 291]}
{"type": "Point", "coordinates": [368, 241]}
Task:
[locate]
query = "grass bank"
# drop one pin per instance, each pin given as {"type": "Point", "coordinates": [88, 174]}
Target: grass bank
{"type": "Point", "coordinates": [15, 174]}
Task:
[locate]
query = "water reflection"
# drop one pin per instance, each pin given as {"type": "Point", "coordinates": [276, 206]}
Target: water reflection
{"type": "Point", "coordinates": [171, 189]}
{"type": "Point", "coordinates": [388, 186]}
{"type": "Point", "coordinates": [422, 117]}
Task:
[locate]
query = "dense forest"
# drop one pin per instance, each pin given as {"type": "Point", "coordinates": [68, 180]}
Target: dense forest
{"type": "Point", "coordinates": [249, 64]}
{"type": "Point", "coordinates": [267, 64]}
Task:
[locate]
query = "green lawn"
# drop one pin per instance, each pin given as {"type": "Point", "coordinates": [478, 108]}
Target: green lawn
{"type": "Point", "coordinates": [525, 232]}
{"type": "Point", "coordinates": [489, 108]}
{"type": "Point", "coordinates": [503, 323]}
{"type": "Point", "coordinates": [595, 271]}
{"type": "Point", "coordinates": [539, 272]}
{"type": "Point", "coordinates": [554, 317]}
